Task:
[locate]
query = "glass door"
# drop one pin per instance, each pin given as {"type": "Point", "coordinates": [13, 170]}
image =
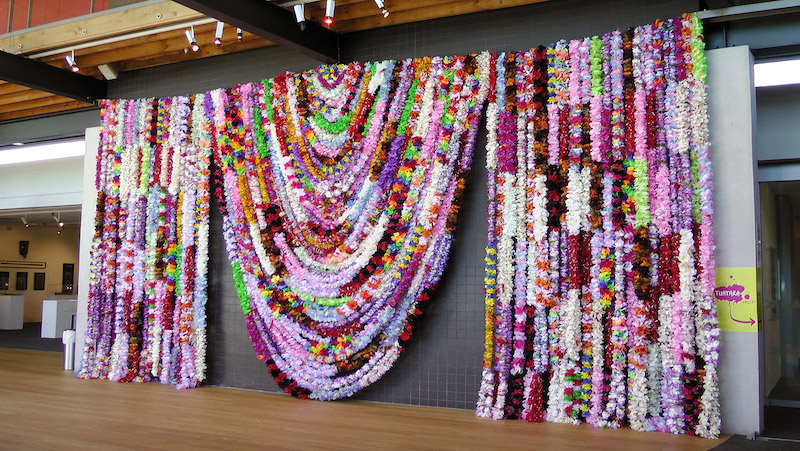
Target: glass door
{"type": "Point", "coordinates": [780, 294]}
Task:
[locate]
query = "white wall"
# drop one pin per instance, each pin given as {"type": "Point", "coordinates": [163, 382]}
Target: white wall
{"type": "Point", "coordinates": [88, 201]}
{"type": "Point", "coordinates": [42, 183]}
{"type": "Point", "coordinates": [732, 124]}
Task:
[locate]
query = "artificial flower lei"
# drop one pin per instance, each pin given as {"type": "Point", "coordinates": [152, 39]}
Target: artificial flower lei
{"type": "Point", "coordinates": [339, 189]}
{"type": "Point", "coordinates": [149, 255]}
{"type": "Point", "coordinates": [599, 257]}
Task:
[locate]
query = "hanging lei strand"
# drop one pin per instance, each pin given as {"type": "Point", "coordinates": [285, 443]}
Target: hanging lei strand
{"type": "Point", "coordinates": [94, 362]}
{"type": "Point", "coordinates": [582, 378]}
{"type": "Point", "coordinates": [496, 104]}
{"type": "Point", "coordinates": [521, 105]}
{"type": "Point", "coordinates": [705, 308]}
{"type": "Point", "coordinates": [539, 290]}
{"type": "Point", "coordinates": [507, 193]}
{"type": "Point", "coordinates": [558, 95]}
{"type": "Point", "coordinates": [129, 174]}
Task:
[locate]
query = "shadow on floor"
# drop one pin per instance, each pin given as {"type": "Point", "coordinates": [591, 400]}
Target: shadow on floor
{"type": "Point", "coordinates": [781, 432]}
{"type": "Point", "coordinates": [29, 337]}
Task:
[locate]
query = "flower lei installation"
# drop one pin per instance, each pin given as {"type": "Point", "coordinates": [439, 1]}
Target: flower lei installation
{"type": "Point", "coordinates": [149, 256]}
{"type": "Point", "coordinates": [339, 189]}
{"type": "Point", "coordinates": [599, 257]}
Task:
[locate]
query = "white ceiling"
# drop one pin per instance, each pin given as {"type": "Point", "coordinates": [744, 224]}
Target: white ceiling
{"type": "Point", "coordinates": [70, 215]}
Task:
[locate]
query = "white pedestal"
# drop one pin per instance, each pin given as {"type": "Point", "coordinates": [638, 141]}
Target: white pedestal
{"type": "Point", "coordinates": [11, 308]}
{"type": "Point", "coordinates": [57, 316]}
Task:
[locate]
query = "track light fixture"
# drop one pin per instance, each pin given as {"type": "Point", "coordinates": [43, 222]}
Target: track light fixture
{"type": "Point", "coordinates": [300, 15]}
{"type": "Point", "coordinates": [218, 33]}
{"type": "Point", "coordinates": [57, 218]}
{"type": "Point", "coordinates": [329, 7]}
{"type": "Point", "coordinates": [71, 61]}
{"type": "Point", "coordinates": [192, 41]}
{"type": "Point", "coordinates": [239, 35]}
{"type": "Point", "coordinates": [25, 221]}
{"type": "Point", "coordinates": [382, 7]}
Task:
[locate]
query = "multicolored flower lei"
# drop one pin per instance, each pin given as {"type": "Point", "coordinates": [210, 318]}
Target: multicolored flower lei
{"type": "Point", "coordinates": [599, 258]}
{"type": "Point", "coordinates": [340, 189]}
{"type": "Point", "coordinates": [149, 256]}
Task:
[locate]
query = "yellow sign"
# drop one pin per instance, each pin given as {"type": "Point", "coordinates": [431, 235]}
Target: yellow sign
{"type": "Point", "coordinates": [737, 301]}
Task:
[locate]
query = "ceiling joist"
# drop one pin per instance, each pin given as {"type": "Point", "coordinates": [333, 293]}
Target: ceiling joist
{"type": "Point", "coordinates": [274, 24]}
{"type": "Point", "coordinates": [38, 75]}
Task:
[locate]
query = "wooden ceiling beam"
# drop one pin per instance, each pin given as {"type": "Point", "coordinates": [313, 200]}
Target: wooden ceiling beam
{"type": "Point", "coordinates": [36, 103]}
{"type": "Point", "coordinates": [163, 45]}
{"type": "Point", "coordinates": [274, 24]}
{"type": "Point", "coordinates": [180, 55]}
{"type": "Point", "coordinates": [21, 96]}
{"type": "Point", "coordinates": [71, 105]}
{"type": "Point", "coordinates": [427, 10]}
{"type": "Point", "coordinates": [100, 26]}
{"type": "Point", "coordinates": [42, 76]}
{"type": "Point", "coordinates": [10, 88]}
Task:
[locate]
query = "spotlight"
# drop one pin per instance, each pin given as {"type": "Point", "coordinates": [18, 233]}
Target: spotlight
{"type": "Point", "coordinates": [57, 218]}
{"type": "Point", "coordinates": [218, 34]}
{"type": "Point", "coordinates": [382, 7]}
{"type": "Point", "coordinates": [71, 61]}
{"type": "Point", "coordinates": [239, 36]}
{"type": "Point", "coordinates": [192, 41]}
{"type": "Point", "coordinates": [329, 7]}
{"type": "Point", "coordinates": [59, 231]}
{"type": "Point", "coordinates": [300, 15]}
{"type": "Point", "coordinates": [25, 221]}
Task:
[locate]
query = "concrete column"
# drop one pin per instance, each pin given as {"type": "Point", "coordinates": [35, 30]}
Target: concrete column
{"type": "Point", "coordinates": [732, 123]}
{"type": "Point", "coordinates": [87, 232]}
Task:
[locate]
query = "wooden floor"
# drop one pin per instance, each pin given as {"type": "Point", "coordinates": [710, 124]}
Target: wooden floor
{"type": "Point", "coordinates": [43, 407]}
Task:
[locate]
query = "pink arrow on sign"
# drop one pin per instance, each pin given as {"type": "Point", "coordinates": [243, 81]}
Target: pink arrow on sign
{"type": "Point", "coordinates": [730, 312]}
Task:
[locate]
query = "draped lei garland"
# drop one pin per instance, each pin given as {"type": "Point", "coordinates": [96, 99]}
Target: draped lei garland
{"type": "Point", "coordinates": [149, 254]}
{"type": "Point", "coordinates": [600, 264]}
{"type": "Point", "coordinates": [339, 192]}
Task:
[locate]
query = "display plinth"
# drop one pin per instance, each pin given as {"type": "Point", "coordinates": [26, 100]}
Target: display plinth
{"type": "Point", "coordinates": [11, 310]}
{"type": "Point", "coordinates": [57, 316]}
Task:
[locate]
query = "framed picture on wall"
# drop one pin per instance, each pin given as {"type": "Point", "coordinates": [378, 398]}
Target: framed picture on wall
{"type": "Point", "coordinates": [67, 277]}
{"type": "Point", "coordinates": [22, 281]}
{"type": "Point", "coordinates": [38, 281]}
{"type": "Point", "coordinates": [4, 280]}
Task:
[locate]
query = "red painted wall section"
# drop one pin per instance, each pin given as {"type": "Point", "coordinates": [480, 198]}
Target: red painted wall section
{"type": "Point", "coordinates": [43, 12]}
{"type": "Point", "coordinates": [19, 16]}
{"type": "Point", "coordinates": [4, 6]}
{"type": "Point", "coordinates": [49, 11]}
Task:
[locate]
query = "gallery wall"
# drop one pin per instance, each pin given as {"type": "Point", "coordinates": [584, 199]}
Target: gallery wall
{"type": "Point", "coordinates": [45, 245]}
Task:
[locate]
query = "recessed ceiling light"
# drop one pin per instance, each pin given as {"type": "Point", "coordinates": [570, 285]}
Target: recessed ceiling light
{"type": "Point", "coordinates": [18, 144]}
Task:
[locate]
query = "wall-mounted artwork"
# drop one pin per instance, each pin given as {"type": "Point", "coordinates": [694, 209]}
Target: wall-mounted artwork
{"type": "Point", "coordinates": [38, 281]}
{"type": "Point", "coordinates": [4, 280]}
{"type": "Point", "coordinates": [22, 281]}
{"type": "Point", "coordinates": [67, 278]}
{"type": "Point", "coordinates": [23, 248]}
